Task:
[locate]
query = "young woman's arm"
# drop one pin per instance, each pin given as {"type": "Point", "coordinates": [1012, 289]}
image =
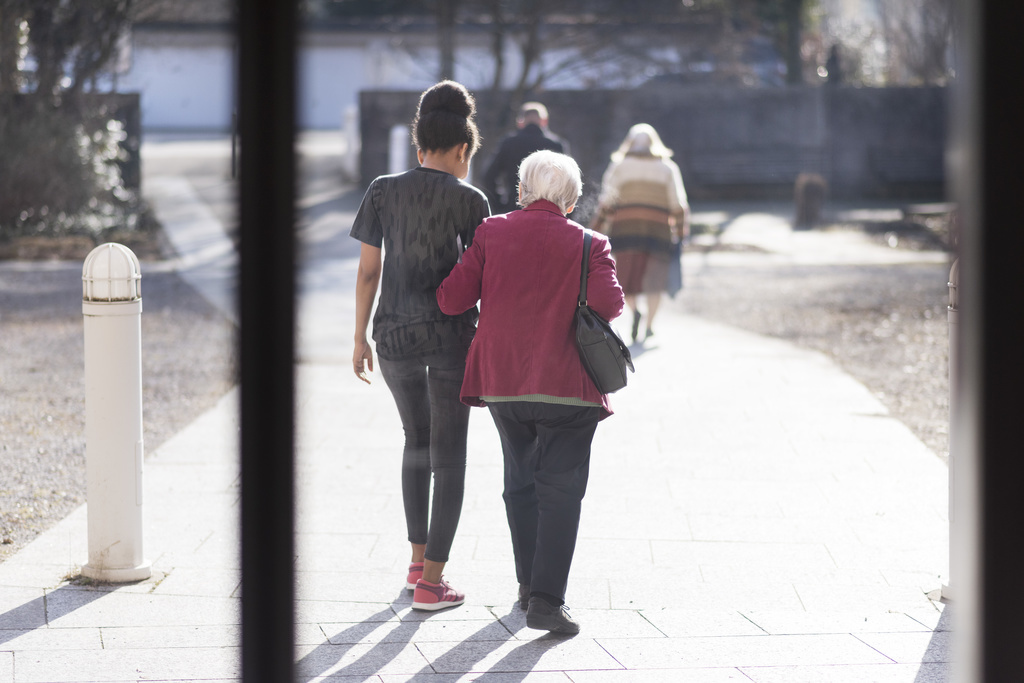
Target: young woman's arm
{"type": "Point", "coordinates": [367, 279]}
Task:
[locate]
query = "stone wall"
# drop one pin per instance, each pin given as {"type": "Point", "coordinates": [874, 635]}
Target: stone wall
{"type": "Point", "coordinates": [731, 142]}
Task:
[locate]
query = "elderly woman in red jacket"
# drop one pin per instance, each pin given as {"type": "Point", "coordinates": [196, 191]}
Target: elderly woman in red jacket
{"type": "Point", "coordinates": [524, 269]}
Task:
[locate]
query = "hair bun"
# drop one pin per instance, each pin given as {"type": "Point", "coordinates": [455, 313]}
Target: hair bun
{"type": "Point", "coordinates": [448, 96]}
{"type": "Point", "coordinates": [444, 118]}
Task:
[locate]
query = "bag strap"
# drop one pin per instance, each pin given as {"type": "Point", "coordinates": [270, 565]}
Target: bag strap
{"type": "Point", "coordinates": [587, 237]}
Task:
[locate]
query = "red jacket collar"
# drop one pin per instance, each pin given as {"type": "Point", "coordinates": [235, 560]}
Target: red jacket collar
{"type": "Point", "coordinates": [544, 205]}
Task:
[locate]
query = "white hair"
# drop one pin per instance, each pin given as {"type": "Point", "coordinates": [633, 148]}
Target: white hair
{"type": "Point", "coordinates": [551, 176]}
{"type": "Point", "coordinates": [642, 140]}
{"type": "Point", "coordinates": [533, 112]}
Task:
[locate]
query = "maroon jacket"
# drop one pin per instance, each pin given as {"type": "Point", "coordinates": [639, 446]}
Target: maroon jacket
{"type": "Point", "coordinates": [524, 268]}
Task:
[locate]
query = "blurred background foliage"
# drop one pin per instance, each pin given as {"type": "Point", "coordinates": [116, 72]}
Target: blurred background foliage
{"type": "Point", "coordinates": [63, 144]}
{"type": "Point", "coordinates": [66, 146]}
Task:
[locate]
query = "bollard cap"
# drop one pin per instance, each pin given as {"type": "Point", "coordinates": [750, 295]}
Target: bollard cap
{"type": "Point", "coordinates": [111, 274]}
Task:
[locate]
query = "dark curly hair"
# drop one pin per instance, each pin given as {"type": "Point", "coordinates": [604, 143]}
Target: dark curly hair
{"type": "Point", "coordinates": [444, 118]}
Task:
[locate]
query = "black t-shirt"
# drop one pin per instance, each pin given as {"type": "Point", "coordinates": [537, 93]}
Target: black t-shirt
{"type": "Point", "coordinates": [423, 219]}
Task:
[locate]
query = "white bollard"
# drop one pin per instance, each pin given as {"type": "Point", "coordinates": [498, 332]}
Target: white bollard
{"type": "Point", "coordinates": [953, 313]}
{"type": "Point", "coordinates": [350, 133]}
{"type": "Point", "coordinates": [112, 308]}
{"type": "Point", "coordinates": [399, 146]}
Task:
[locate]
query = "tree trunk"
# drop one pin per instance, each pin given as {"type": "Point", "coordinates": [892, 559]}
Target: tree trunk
{"type": "Point", "coordinates": [446, 10]}
{"type": "Point", "coordinates": [793, 14]}
{"type": "Point", "coordinates": [9, 23]}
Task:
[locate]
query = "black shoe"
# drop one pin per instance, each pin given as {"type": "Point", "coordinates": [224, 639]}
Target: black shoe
{"type": "Point", "coordinates": [544, 616]}
{"type": "Point", "coordinates": [636, 324]}
{"type": "Point", "coordinates": [649, 333]}
{"type": "Point", "coordinates": [524, 595]}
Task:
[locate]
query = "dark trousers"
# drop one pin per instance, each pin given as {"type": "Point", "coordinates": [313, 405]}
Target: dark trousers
{"type": "Point", "coordinates": [547, 461]}
{"type": "Point", "coordinates": [426, 391]}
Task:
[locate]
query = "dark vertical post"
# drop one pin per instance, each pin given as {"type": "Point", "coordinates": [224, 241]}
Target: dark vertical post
{"type": "Point", "coordinates": [234, 144]}
{"type": "Point", "coordinates": [986, 152]}
{"type": "Point", "coordinates": [267, 63]}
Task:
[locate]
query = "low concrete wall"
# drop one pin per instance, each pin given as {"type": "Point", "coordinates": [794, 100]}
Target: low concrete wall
{"type": "Point", "coordinates": [731, 142]}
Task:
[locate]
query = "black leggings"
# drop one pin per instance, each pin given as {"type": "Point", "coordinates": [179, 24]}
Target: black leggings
{"type": "Point", "coordinates": [426, 391]}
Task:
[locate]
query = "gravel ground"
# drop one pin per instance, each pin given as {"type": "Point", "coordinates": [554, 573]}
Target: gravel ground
{"type": "Point", "coordinates": [885, 325]}
{"type": "Point", "coordinates": [42, 392]}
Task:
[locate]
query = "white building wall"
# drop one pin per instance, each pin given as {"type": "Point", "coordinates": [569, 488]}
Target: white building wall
{"type": "Point", "coordinates": [328, 79]}
{"type": "Point", "coordinates": [185, 82]}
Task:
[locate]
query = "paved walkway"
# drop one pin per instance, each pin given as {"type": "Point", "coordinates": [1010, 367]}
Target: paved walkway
{"type": "Point", "coordinates": [753, 513]}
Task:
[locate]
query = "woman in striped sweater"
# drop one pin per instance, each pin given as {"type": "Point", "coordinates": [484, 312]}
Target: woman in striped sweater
{"type": "Point", "coordinates": [644, 212]}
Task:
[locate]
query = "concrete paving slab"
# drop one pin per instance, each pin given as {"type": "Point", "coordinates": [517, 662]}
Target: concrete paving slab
{"type": "Point", "coordinates": [200, 582]}
{"type": "Point", "coordinates": [837, 578]}
{"type": "Point", "coordinates": [742, 651]}
{"type": "Point", "coordinates": [820, 598]}
{"type": "Point", "coordinates": [427, 631]}
{"type": "Point", "coordinates": [78, 609]}
{"type": "Point", "coordinates": [664, 519]}
{"type": "Point", "coordinates": [804, 622]}
{"type": "Point", "coordinates": [308, 634]}
{"type": "Point", "coordinates": [51, 639]}
{"type": "Point", "coordinates": [684, 622]}
{"type": "Point", "coordinates": [907, 648]}
{"type": "Point", "coordinates": [464, 612]}
{"type": "Point", "coordinates": [82, 666]}
{"type": "Point", "coordinates": [769, 554]}
{"type": "Point", "coordinates": [497, 591]}
{"type": "Point", "coordinates": [875, 673]}
{"type": "Point", "coordinates": [324, 611]}
{"type": "Point", "coordinates": [56, 554]}
{"type": "Point", "coordinates": [924, 580]}
{"type": "Point", "coordinates": [745, 530]}
{"type": "Point", "coordinates": [544, 653]}
{"type": "Point", "coordinates": [326, 551]}
{"type": "Point", "coordinates": [346, 586]}
{"type": "Point", "coordinates": [860, 556]}
{"type": "Point", "coordinates": [723, 675]}
{"type": "Point", "coordinates": [705, 596]}
{"type": "Point", "coordinates": [22, 608]}
{"type": "Point", "coordinates": [365, 632]}
{"type": "Point", "coordinates": [326, 660]}
{"type": "Point", "coordinates": [533, 677]}
{"type": "Point", "coordinates": [150, 637]}
{"type": "Point", "coordinates": [40, 575]}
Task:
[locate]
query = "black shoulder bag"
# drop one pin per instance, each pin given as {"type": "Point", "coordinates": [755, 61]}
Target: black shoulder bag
{"type": "Point", "coordinates": [605, 357]}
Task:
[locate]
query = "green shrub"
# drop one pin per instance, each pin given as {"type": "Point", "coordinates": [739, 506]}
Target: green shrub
{"type": "Point", "coordinates": [60, 169]}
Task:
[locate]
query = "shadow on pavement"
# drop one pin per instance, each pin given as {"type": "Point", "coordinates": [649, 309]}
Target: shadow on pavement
{"type": "Point", "coordinates": [469, 651]}
{"type": "Point", "coordinates": [323, 660]}
{"type": "Point", "coordinates": [44, 610]}
{"type": "Point", "coordinates": [936, 655]}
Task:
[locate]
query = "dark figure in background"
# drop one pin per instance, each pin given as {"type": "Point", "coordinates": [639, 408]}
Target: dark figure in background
{"type": "Point", "coordinates": [501, 177]}
{"type": "Point", "coordinates": [809, 192]}
{"type": "Point", "coordinates": [834, 66]}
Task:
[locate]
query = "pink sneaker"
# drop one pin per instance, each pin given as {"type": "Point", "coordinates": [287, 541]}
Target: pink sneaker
{"type": "Point", "coordinates": [434, 596]}
{"type": "Point", "coordinates": [415, 574]}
